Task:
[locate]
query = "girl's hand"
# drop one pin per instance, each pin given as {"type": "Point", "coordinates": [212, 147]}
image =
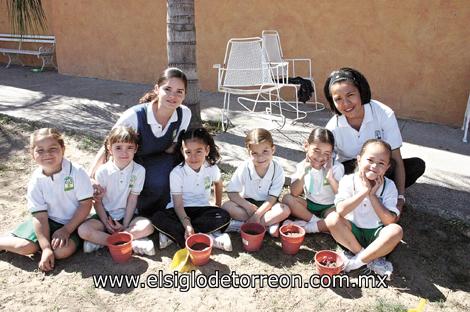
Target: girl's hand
{"type": "Point", "coordinates": [377, 183]}
{"type": "Point", "coordinates": [115, 225]}
{"type": "Point", "coordinates": [366, 183]}
{"type": "Point", "coordinates": [98, 190]}
{"type": "Point", "coordinates": [255, 218]}
{"type": "Point", "coordinates": [60, 238]}
{"type": "Point", "coordinates": [47, 260]}
{"type": "Point", "coordinates": [329, 168]}
{"type": "Point", "coordinates": [188, 230]}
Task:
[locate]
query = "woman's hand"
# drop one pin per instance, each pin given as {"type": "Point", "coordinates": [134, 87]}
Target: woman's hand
{"type": "Point", "coordinates": [60, 238]}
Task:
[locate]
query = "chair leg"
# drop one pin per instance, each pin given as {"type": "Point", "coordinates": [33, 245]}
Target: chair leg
{"type": "Point", "coordinates": [465, 132]}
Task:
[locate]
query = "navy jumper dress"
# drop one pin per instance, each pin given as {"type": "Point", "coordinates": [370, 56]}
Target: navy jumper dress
{"type": "Point", "coordinates": [157, 163]}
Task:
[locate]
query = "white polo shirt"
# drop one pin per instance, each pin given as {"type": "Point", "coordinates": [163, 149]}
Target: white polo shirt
{"type": "Point", "coordinates": [364, 215]}
{"type": "Point", "coordinates": [249, 184]}
{"type": "Point", "coordinates": [194, 186]}
{"type": "Point", "coordinates": [119, 184]}
{"type": "Point", "coordinates": [129, 119]}
{"type": "Point", "coordinates": [316, 186]}
{"type": "Point", "coordinates": [379, 123]}
{"type": "Point", "coordinates": [60, 193]}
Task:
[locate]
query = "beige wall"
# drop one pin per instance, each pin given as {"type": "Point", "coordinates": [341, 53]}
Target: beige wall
{"type": "Point", "coordinates": [414, 53]}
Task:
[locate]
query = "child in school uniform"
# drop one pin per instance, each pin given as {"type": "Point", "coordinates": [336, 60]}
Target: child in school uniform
{"type": "Point", "coordinates": [122, 180]}
{"type": "Point", "coordinates": [366, 211]}
{"type": "Point", "coordinates": [190, 210]}
{"type": "Point", "coordinates": [317, 177]}
{"type": "Point", "coordinates": [59, 197]}
{"type": "Point", "coordinates": [256, 186]}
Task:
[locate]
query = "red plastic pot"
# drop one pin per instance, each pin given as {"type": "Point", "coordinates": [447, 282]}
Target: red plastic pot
{"type": "Point", "coordinates": [323, 256]}
{"type": "Point", "coordinates": [292, 237]}
{"type": "Point", "coordinates": [200, 247]}
{"type": "Point", "coordinates": [252, 236]}
{"type": "Point", "coordinates": [120, 246]}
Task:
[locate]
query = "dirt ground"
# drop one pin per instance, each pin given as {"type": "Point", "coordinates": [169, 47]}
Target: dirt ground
{"type": "Point", "coordinates": [432, 263]}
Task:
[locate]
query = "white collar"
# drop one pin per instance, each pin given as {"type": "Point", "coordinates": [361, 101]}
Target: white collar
{"type": "Point", "coordinates": [254, 175]}
{"type": "Point", "coordinates": [64, 171]}
{"type": "Point", "coordinates": [112, 168]}
{"type": "Point", "coordinates": [191, 172]}
{"type": "Point", "coordinates": [151, 117]}
{"type": "Point", "coordinates": [368, 117]}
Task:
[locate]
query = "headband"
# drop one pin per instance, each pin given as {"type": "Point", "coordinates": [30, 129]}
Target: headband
{"type": "Point", "coordinates": [340, 75]}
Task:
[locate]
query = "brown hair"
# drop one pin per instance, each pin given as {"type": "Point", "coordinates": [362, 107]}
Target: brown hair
{"type": "Point", "coordinates": [322, 135]}
{"type": "Point", "coordinates": [120, 134]}
{"type": "Point", "coordinates": [171, 72]}
{"type": "Point", "coordinates": [257, 136]}
{"type": "Point", "coordinates": [44, 133]}
{"type": "Point", "coordinates": [384, 144]}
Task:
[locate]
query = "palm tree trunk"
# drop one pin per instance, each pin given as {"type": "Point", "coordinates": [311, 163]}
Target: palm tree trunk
{"type": "Point", "coordinates": [181, 49]}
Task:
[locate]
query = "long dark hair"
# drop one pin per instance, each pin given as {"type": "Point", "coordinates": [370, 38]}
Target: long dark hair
{"type": "Point", "coordinates": [171, 72]}
{"type": "Point", "coordinates": [351, 75]}
{"type": "Point", "coordinates": [204, 137]}
{"type": "Point", "coordinates": [322, 135]}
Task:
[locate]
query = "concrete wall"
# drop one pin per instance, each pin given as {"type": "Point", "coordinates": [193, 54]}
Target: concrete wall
{"type": "Point", "coordinates": [414, 53]}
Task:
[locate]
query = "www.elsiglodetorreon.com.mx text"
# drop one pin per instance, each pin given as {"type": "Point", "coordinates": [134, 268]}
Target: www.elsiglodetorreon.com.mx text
{"type": "Point", "coordinates": [186, 281]}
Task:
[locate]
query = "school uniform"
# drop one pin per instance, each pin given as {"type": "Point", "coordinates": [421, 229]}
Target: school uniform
{"type": "Point", "coordinates": [317, 189]}
{"type": "Point", "coordinates": [119, 183]}
{"type": "Point", "coordinates": [195, 188]}
{"type": "Point", "coordinates": [251, 186]}
{"type": "Point", "coordinates": [366, 223]}
{"type": "Point", "coordinates": [59, 195]}
{"type": "Point", "coordinates": [379, 123]}
{"type": "Point", "coordinates": [153, 141]}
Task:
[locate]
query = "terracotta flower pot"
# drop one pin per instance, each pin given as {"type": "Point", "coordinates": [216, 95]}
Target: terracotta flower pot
{"type": "Point", "coordinates": [200, 247]}
{"type": "Point", "coordinates": [292, 237]}
{"type": "Point", "coordinates": [324, 260]}
{"type": "Point", "coordinates": [120, 246]}
{"type": "Point", "coordinates": [252, 236]}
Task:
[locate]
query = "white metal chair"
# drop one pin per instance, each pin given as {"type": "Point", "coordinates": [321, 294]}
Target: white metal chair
{"type": "Point", "coordinates": [273, 48]}
{"type": "Point", "coordinates": [466, 121]}
{"type": "Point", "coordinates": [246, 72]}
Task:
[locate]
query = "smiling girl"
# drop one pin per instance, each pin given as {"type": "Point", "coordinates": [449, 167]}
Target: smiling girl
{"type": "Point", "coordinates": [59, 198]}
{"type": "Point", "coordinates": [317, 177]}
{"type": "Point", "coordinates": [191, 182]}
{"type": "Point", "coordinates": [256, 186]}
{"type": "Point", "coordinates": [366, 210]}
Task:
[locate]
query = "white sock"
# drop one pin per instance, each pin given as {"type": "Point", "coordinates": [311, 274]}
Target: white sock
{"type": "Point", "coordinates": [312, 225]}
{"type": "Point", "coordinates": [355, 262]}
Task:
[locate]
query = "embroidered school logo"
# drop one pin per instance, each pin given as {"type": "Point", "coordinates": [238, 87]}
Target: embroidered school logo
{"type": "Point", "coordinates": [68, 183]}
{"type": "Point", "coordinates": [132, 181]}
{"type": "Point", "coordinates": [378, 134]}
{"type": "Point", "coordinates": [207, 183]}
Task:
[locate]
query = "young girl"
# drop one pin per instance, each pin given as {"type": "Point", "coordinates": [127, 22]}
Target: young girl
{"type": "Point", "coordinates": [59, 197]}
{"type": "Point", "coordinates": [317, 177]}
{"type": "Point", "coordinates": [366, 209]}
{"type": "Point", "coordinates": [191, 181]}
{"type": "Point", "coordinates": [256, 185]}
{"type": "Point", "coordinates": [122, 180]}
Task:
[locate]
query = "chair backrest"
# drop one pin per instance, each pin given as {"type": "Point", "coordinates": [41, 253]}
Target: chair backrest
{"type": "Point", "coordinates": [272, 45]}
{"type": "Point", "coordinates": [245, 63]}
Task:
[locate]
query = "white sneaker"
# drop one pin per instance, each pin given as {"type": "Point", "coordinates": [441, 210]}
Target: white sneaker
{"type": "Point", "coordinates": [222, 241]}
{"type": "Point", "coordinates": [274, 230]}
{"type": "Point", "coordinates": [143, 246]}
{"type": "Point", "coordinates": [234, 226]}
{"type": "Point", "coordinates": [164, 241]}
{"type": "Point", "coordinates": [381, 267]}
{"type": "Point", "coordinates": [90, 247]}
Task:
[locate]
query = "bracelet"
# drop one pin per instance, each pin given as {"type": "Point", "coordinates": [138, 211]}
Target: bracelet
{"type": "Point", "coordinates": [402, 197]}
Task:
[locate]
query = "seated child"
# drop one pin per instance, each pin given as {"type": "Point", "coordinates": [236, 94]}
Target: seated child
{"type": "Point", "coordinates": [190, 210]}
{"type": "Point", "coordinates": [59, 197]}
{"type": "Point", "coordinates": [256, 186]}
{"type": "Point", "coordinates": [317, 177]}
{"type": "Point", "coordinates": [366, 211]}
{"type": "Point", "coordinates": [122, 180]}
